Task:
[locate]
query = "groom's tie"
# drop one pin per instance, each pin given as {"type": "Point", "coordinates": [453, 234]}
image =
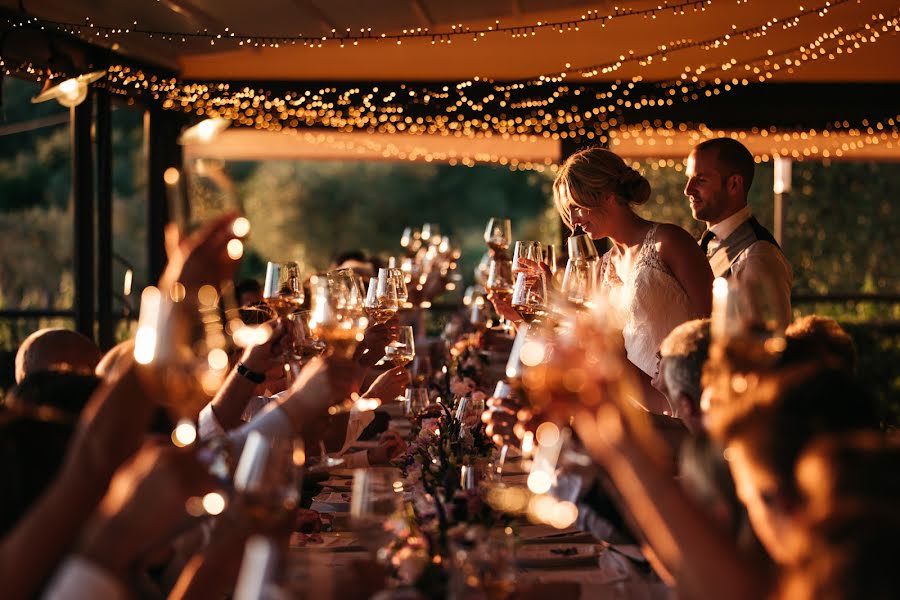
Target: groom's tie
{"type": "Point", "coordinates": [708, 236]}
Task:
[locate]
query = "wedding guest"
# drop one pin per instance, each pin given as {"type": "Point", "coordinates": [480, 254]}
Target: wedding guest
{"type": "Point", "coordinates": [110, 430]}
{"type": "Point", "coordinates": [766, 429]}
{"type": "Point", "coordinates": [719, 173]}
{"type": "Point", "coordinates": [850, 472]}
{"type": "Point", "coordinates": [248, 292]}
{"type": "Point", "coordinates": [56, 350]}
{"type": "Point", "coordinates": [654, 277]}
{"type": "Point", "coordinates": [682, 355]}
{"type": "Point", "coordinates": [35, 430]}
{"type": "Point", "coordinates": [826, 337]}
{"type": "Point", "coordinates": [849, 557]}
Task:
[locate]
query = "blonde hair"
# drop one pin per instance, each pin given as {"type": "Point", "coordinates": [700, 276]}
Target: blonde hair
{"type": "Point", "coordinates": [589, 175]}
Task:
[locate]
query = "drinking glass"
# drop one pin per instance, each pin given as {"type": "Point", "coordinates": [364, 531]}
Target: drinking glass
{"type": "Point", "coordinates": [376, 497]}
{"type": "Point", "coordinates": [399, 279]}
{"type": "Point", "coordinates": [181, 337]}
{"type": "Point", "coordinates": [381, 300]}
{"type": "Point", "coordinates": [401, 351]}
{"type": "Point", "coordinates": [267, 479]}
{"type": "Point", "coordinates": [529, 298]}
{"type": "Point", "coordinates": [498, 234]}
{"type": "Point", "coordinates": [337, 316]}
{"type": "Point", "coordinates": [549, 258]}
{"type": "Point", "coordinates": [582, 247]}
{"type": "Point", "coordinates": [415, 400]}
{"type": "Point", "coordinates": [500, 282]}
{"type": "Point", "coordinates": [528, 250]}
{"type": "Point", "coordinates": [283, 290]}
{"type": "Point", "coordinates": [579, 281]}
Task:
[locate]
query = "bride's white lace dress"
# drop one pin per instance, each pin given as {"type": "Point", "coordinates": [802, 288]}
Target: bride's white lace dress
{"type": "Point", "coordinates": [647, 303]}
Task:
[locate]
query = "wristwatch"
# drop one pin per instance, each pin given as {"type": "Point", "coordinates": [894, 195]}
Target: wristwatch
{"type": "Point", "coordinates": [253, 376]}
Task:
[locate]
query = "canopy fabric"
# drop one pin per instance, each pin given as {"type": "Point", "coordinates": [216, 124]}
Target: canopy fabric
{"type": "Point", "coordinates": [496, 56]}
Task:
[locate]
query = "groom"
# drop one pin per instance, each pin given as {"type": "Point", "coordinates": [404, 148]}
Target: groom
{"type": "Point", "coordinates": [720, 172]}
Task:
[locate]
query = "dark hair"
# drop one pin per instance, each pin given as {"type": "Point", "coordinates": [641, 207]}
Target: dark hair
{"type": "Point", "coordinates": [732, 156]}
{"type": "Point", "coordinates": [35, 429]}
{"type": "Point", "coordinates": [245, 286]}
{"type": "Point", "coordinates": [777, 416]}
{"type": "Point", "coordinates": [342, 257]}
{"type": "Point", "coordinates": [849, 556]}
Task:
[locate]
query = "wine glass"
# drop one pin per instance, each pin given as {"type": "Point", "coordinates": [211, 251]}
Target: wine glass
{"type": "Point", "coordinates": [182, 338]}
{"type": "Point", "coordinates": [381, 300]}
{"type": "Point", "coordinates": [415, 400]}
{"type": "Point", "coordinates": [283, 290]}
{"type": "Point", "coordinates": [498, 234]}
{"type": "Point", "coordinates": [529, 298]}
{"type": "Point", "coordinates": [376, 496]}
{"type": "Point", "coordinates": [549, 258]}
{"type": "Point", "coordinates": [337, 316]}
{"type": "Point", "coordinates": [399, 279]}
{"type": "Point", "coordinates": [267, 479]}
{"type": "Point", "coordinates": [401, 351]}
{"type": "Point", "coordinates": [581, 247]}
{"type": "Point", "coordinates": [579, 281]}
{"type": "Point", "coordinates": [499, 282]}
{"type": "Point", "coordinates": [528, 250]}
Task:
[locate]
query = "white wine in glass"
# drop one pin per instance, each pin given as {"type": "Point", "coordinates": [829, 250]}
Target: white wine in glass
{"type": "Point", "coordinates": [401, 351]}
{"type": "Point", "coordinates": [498, 234]}
{"type": "Point", "coordinates": [283, 290]}
{"type": "Point", "coordinates": [529, 298]}
{"type": "Point", "coordinates": [381, 299]}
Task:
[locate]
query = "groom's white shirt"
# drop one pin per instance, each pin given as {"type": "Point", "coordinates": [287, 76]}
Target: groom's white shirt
{"type": "Point", "coordinates": [760, 260]}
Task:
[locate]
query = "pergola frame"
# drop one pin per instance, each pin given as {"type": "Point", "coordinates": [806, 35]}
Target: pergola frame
{"type": "Point", "coordinates": [791, 105]}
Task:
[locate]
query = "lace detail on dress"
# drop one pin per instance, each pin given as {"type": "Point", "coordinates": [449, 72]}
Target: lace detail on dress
{"type": "Point", "coordinates": [647, 302]}
{"type": "Point", "coordinates": [648, 257]}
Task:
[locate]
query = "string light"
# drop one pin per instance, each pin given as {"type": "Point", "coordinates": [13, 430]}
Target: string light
{"type": "Point", "coordinates": [349, 37]}
{"type": "Point", "coordinates": [547, 106]}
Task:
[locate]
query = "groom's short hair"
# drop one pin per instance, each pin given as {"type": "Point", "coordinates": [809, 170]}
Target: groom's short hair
{"type": "Point", "coordinates": [732, 156]}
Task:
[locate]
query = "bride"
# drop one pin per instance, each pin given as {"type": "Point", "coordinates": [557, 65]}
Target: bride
{"type": "Point", "coordinates": [655, 277]}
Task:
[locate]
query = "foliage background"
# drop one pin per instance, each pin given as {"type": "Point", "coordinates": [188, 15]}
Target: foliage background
{"type": "Point", "coordinates": [842, 223]}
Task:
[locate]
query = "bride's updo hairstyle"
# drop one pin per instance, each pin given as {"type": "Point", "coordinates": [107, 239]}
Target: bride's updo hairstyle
{"type": "Point", "coordinates": [592, 173]}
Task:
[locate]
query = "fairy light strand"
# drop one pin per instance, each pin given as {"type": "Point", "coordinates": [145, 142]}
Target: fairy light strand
{"type": "Point", "coordinates": [347, 36]}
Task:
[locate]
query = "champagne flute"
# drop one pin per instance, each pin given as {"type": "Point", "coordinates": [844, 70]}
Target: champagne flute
{"type": "Point", "coordinates": [529, 298]}
{"type": "Point", "coordinates": [381, 300]}
{"type": "Point", "coordinates": [498, 234]}
{"type": "Point", "coordinates": [528, 250]}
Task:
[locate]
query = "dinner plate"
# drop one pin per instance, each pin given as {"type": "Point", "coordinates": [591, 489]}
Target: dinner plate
{"type": "Point", "coordinates": [331, 502]}
{"type": "Point", "coordinates": [557, 555]}
{"type": "Point", "coordinates": [337, 484]}
{"type": "Point", "coordinates": [340, 541]}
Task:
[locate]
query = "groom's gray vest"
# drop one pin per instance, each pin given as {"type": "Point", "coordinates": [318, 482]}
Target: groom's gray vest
{"type": "Point", "coordinates": [747, 233]}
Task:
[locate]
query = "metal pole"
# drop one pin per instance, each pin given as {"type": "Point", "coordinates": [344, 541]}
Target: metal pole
{"type": "Point", "coordinates": [83, 198]}
{"type": "Point", "coordinates": [161, 130]}
{"type": "Point", "coordinates": [104, 222]}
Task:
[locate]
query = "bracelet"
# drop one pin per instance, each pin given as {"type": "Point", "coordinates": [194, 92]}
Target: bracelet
{"type": "Point", "coordinates": [246, 373]}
